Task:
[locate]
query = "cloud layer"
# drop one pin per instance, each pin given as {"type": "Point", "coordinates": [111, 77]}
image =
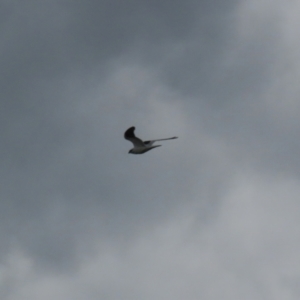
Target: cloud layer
{"type": "Point", "coordinates": [213, 214]}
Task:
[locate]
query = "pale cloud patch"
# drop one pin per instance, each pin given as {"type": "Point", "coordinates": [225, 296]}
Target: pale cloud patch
{"type": "Point", "coordinates": [269, 30]}
{"type": "Point", "coordinates": [250, 251]}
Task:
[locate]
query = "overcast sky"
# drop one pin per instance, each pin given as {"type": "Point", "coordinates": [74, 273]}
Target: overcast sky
{"type": "Point", "coordinates": [212, 215]}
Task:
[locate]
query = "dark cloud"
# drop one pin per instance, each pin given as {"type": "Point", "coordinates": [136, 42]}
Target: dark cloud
{"type": "Point", "coordinates": [43, 45]}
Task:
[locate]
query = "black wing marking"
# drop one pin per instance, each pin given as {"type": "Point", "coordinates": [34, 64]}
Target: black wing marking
{"type": "Point", "coordinates": [129, 133]}
{"type": "Point", "coordinates": [130, 136]}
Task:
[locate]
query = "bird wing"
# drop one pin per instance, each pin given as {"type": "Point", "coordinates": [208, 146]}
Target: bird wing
{"type": "Point", "coordinates": [151, 142]}
{"type": "Point", "coordinates": [130, 136]}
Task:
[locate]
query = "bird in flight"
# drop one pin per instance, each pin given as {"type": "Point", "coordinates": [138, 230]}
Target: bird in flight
{"type": "Point", "coordinates": [141, 147]}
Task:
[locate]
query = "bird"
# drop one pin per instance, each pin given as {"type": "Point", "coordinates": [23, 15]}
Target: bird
{"type": "Point", "coordinates": [140, 146]}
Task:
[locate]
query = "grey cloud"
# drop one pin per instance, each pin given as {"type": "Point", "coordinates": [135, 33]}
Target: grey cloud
{"type": "Point", "coordinates": [42, 46]}
{"type": "Point", "coordinates": [74, 75]}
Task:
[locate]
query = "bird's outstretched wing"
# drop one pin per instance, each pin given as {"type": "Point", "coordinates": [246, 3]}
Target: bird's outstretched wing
{"type": "Point", "coordinates": [130, 136]}
{"type": "Point", "coordinates": [151, 142]}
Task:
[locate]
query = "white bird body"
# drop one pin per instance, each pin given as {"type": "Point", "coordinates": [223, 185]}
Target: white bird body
{"type": "Point", "coordinates": [141, 147]}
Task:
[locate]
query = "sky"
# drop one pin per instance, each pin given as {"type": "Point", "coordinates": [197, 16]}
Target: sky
{"type": "Point", "coordinates": [212, 215]}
